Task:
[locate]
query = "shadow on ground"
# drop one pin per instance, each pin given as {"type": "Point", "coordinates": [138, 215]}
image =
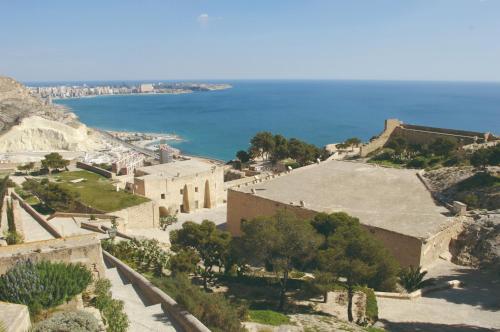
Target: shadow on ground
{"type": "Point", "coordinates": [431, 327]}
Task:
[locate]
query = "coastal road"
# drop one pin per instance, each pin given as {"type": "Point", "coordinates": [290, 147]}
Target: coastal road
{"type": "Point", "coordinates": [129, 145]}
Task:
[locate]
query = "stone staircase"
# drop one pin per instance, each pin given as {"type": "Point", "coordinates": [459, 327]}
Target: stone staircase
{"type": "Point", "coordinates": [143, 316]}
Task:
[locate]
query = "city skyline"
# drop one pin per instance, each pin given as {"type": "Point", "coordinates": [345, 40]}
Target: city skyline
{"type": "Point", "coordinates": [445, 40]}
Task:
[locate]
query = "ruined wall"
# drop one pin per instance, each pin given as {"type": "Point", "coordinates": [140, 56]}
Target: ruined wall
{"type": "Point", "coordinates": [84, 249]}
{"type": "Point", "coordinates": [145, 215]}
{"type": "Point", "coordinates": [406, 249]}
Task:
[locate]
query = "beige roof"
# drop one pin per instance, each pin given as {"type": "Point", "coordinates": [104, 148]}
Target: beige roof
{"type": "Point", "coordinates": [177, 168]}
{"type": "Point", "coordinates": [387, 198]}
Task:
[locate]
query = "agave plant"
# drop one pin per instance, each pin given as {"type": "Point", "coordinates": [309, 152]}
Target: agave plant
{"type": "Point", "coordinates": [412, 278]}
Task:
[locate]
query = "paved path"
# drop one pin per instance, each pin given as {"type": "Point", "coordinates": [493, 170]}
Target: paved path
{"type": "Point", "coordinates": [474, 307]}
{"type": "Point", "coordinates": [142, 315]}
{"type": "Point", "coordinates": [32, 230]}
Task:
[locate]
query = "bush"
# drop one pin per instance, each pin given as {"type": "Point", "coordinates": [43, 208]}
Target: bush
{"type": "Point", "coordinates": [69, 321]}
{"type": "Point", "coordinates": [214, 310]}
{"type": "Point", "coordinates": [111, 309]}
{"type": "Point", "coordinates": [43, 284]}
{"type": "Point", "coordinates": [371, 304]}
{"type": "Point", "coordinates": [268, 317]}
{"type": "Point", "coordinates": [144, 255]}
{"type": "Point", "coordinates": [13, 237]}
{"type": "Point", "coordinates": [418, 162]}
{"type": "Point", "coordinates": [412, 278]}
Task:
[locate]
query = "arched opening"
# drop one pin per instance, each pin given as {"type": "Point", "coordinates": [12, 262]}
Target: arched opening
{"type": "Point", "coordinates": [207, 203]}
{"type": "Point", "coordinates": [185, 208]}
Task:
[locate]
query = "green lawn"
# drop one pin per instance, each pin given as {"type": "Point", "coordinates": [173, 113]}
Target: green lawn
{"type": "Point", "coordinates": [97, 191]}
{"type": "Point", "coordinates": [268, 317]}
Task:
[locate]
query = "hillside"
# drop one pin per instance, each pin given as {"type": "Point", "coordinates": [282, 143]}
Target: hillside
{"type": "Point", "coordinates": [28, 124]}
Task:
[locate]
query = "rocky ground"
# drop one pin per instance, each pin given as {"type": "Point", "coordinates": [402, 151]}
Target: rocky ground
{"type": "Point", "coordinates": [478, 188]}
{"type": "Point", "coordinates": [479, 244]}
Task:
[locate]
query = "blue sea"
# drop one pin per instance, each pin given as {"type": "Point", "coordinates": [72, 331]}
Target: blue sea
{"type": "Point", "coordinates": [219, 123]}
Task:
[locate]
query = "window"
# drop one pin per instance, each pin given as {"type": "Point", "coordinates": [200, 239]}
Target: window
{"type": "Point", "coordinates": [162, 196]}
{"type": "Point", "coordinates": [195, 189]}
{"type": "Point", "coordinates": [195, 204]}
{"type": "Point", "coordinates": [182, 192]}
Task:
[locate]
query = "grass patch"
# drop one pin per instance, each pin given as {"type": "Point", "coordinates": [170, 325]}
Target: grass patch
{"type": "Point", "coordinates": [374, 329]}
{"type": "Point", "coordinates": [268, 317]}
{"type": "Point", "coordinates": [97, 191]}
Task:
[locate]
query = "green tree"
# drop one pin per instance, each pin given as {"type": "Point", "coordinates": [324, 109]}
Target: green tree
{"type": "Point", "coordinates": [243, 156]}
{"type": "Point", "coordinates": [262, 144]}
{"type": "Point", "coordinates": [211, 244]}
{"type": "Point", "coordinates": [281, 242]}
{"type": "Point", "coordinates": [280, 151]}
{"type": "Point", "coordinates": [26, 167]}
{"type": "Point", "coordinates": [412, 278]}
{"type": "Point", "coordinates": [54, 161]}
{"type": "Point", "coordinates": [354, 254]}
{"type": "Point", "coordinates": [352, 142]}
{"type": "Point", "coordinates": [326, 224]}
{"type": "Point", "coordinates": [184, 261]}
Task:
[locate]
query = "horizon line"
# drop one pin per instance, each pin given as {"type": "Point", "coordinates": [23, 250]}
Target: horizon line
{"type": "Point", "coordinates": [263, 79]}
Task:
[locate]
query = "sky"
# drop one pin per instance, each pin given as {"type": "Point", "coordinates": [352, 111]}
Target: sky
{"type": "Point", "coordinates": [450, 40]}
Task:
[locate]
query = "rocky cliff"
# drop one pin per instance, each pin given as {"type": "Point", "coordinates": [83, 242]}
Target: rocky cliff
{"type": "Point", "coordinates": [29, 124]}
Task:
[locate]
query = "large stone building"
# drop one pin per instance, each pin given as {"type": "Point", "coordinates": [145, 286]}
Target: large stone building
{"type": "Point", "coordinates": [181, 186]}
{"type": "Point", "coordinates": [392, 204]}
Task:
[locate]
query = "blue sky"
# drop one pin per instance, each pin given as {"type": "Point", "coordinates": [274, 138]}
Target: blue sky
{"type": "Point", "coordinates": [258, 39]}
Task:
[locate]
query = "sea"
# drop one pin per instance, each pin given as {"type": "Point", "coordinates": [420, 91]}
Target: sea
{"type": "Point", "coordinates": [218, 123]}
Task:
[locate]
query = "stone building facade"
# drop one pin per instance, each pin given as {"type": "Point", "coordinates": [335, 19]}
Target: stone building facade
{"type": "Point", "coordinates": [181, 186]}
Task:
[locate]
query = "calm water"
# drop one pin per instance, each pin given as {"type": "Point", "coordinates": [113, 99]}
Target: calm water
{"type": "Point", "coordinates": [219, 123]}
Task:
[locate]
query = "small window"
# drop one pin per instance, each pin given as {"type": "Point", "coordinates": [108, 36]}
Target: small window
{"type": "Point", "coordinates": [182, 191]}
{"type": "Point", "coordinates": [195, 204]}
{"type": "Point", "coordinates": [162, 196]}
{"type": "Point", "coordinates": [196, 189]}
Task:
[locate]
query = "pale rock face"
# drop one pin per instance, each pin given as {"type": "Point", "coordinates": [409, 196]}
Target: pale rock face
{"type": "Point", "coordinates": [27, 124]}
{"type": "Point", "coordinates": [38, 134]}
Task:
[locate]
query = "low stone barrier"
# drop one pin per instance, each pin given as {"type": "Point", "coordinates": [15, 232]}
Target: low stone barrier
{"type": "Point", "coordinates": [38, 217]}
{"type": "Point", "coordinates": [419, 292]}
{"type": "Point", "coordinates": [94, 169]}
{"type": "Point", "coordinates": [181, 317]}
{"type": "Point", "coordinates": [80, 215]}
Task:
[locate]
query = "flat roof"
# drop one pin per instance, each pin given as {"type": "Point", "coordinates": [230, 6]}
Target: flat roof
{"type": "Point", "coordinates": [178, 168]}
{"type": "Point", "coordinates": [388, 198]}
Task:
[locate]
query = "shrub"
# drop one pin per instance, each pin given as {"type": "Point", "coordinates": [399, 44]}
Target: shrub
{"type": "Point", "coordinates": [268, 317]}
{"type": "Point", "coordinates": [111, 309]}
{"type": "Point", "coordinates": [69, 321]}
{"type": "Point", "coordinates": [13, 237]}
{"type": "Point", "coordinates": [214, 310]}
{"type": "Point", "coordinates": [43, 284]}
{"type": "Point", "coordinates": [418, 162]}
{"type": "Point", "coordinates": [371, 304]}
{"type": "Point", "coordinates": [412, 278]}
{"type": "Point", "coordinates": [144, 255]}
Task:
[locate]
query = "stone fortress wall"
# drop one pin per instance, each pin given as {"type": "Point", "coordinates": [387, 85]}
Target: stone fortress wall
{"type": "Point", "coordinates": [422, 135]}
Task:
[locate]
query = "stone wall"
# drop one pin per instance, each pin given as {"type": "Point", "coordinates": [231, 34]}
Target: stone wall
{"type": "Point", "coordinates": [440, 242]}
{"type": "Point", "coordinates": [145, 215]}
{"type": "Point", "coordinates": [14, 317]}
{"type": "Point", "coordinates": [381, 140]}
{"type": "Point", "coordinates": [406, 249]}
{"type": "Point", "coordinates": [84, 249]}
{"type": "Point", "coordinates": [416, 136]}
{"type": "Point", "coordinates": [94, 169]}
